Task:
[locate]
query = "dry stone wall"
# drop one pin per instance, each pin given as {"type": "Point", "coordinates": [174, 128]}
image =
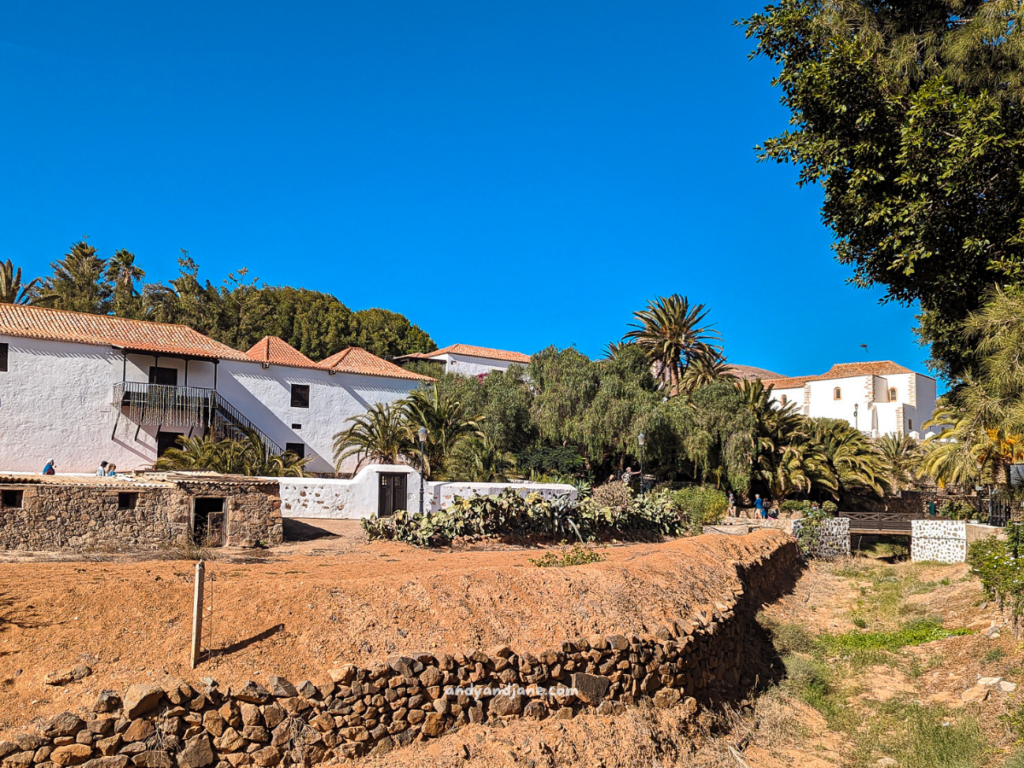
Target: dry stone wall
{"type": "Point", "coordinates": [705, 659]}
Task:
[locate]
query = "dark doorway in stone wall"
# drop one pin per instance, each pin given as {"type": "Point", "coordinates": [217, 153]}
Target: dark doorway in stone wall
{"type": "Point", "coordinates": [208, 522]}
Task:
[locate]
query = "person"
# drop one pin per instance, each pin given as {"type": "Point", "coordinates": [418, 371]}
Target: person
{"type": "Point", "coordinates": [111, 470]}
{"type": "Point", "coordinates": [50, 468]}
{"type": "Point", "coordinates": [759, 506]}
{"type": "Point", "coordinates": [732, 504]}
{"type": "Point", "coordinates": [773, 512]}
{"type": "Point", "coordinates": [627, 475]}
{"type": "Point", "coordinates": [102, 471]}
{"type": "Point", "coordinates": [931, 507]}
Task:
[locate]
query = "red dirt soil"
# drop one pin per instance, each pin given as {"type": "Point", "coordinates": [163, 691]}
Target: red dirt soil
{"type": "Point", "coordinates": [301, 614]}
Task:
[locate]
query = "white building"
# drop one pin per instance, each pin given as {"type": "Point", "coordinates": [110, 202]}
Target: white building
{"type": "Point", "coordinates": [878, 398]}
{"type": "Point", "coordinates": [83, 388]}
{"type": "Point", "coordinates": [469, 360]}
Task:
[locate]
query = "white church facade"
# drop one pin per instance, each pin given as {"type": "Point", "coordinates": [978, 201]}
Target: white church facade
{"type": "Point", "coordinates": [82, 388]}
{"type": "Point", "coordinates": [877, 398]}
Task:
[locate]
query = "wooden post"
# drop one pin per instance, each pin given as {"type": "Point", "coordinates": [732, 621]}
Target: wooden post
{"type": "Point", "coordinates": [197, 614]}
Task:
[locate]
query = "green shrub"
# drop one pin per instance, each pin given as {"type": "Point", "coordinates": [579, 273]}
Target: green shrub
{"type": "Point", "coordinates": [1000, 572]}
{"type": "Point", "coordinates": [958, 510]}
{"type": "Point", "coordinates": [615, 496]}
{"type": "Point", "coordinates": [830, 507]}
{"type": "Point", "coordinates": [700, 506]}
{"type": "Point", "coordinates": [792, 505]}
{"type": "Point", "coordinates": [808, 532]}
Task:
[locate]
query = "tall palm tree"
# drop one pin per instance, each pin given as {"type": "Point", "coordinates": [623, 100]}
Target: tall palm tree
{"type": "Point", "coordinates": [674, 335]}
{"type": "Point", "coordinates": [380, 435]}
{"type": "Point", "coordinates": [446, 422]}
{"type": "Point", "coordinates": [706, 370]}
{"type": "Point", "coordinates": [12, 290]}
{"type": "Point", "coordinates": [78, 282]}
{"type": "Point", "coordinates": [857, 466]}
{"type": "Point", "coordinates": [123, 274]}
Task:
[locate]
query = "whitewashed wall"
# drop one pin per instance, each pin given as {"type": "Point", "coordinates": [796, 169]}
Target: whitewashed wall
{"type": "Point", "coordinates": [264, 396]}
{"type": "Point", "coordinates": [792, 395]}
{"type": "Point", "coordinates": [55, 402]}
{"type": "Point", "coordinates": [310, 497]}
{"type": "Point", "coordinates": [469, 365]}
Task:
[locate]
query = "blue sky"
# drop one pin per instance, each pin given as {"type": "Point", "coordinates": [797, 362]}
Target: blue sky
{"type": "Point", "coordinates": [507, 174]}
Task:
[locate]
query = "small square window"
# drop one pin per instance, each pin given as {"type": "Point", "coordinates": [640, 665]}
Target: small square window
{"type": "Point", "coordinates": [300, 395]}
{"type": "Point", "coordinates": [299, 449]}
{"type": "Point", "coordinates": [3, 357]}
{"type": "Point", "coordinates": [12, 499]}
{"type": "Point", "coordinates": [127, 500]}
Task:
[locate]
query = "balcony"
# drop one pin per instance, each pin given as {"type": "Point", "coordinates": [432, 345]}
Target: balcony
{"type": "Point", "coordinates": [162, 404]}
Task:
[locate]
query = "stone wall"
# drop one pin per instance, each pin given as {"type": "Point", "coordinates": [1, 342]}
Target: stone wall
{"type": "Point", "coordinates": [946, 541]}
{"type": "Point", "coordinates": [916, 502]}
{"type": "Point", "coordinates": [714, 656]}
{"type": "Point", "coordinates": [833, 538]}
{"type": "Point", "coordinates": [65, 515]}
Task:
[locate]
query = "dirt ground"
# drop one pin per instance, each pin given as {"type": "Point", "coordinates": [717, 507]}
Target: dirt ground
{"type": "Point", "coordinates": [314, 604]}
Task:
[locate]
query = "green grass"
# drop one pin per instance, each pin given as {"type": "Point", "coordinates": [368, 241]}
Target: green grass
{"type": "Point", "coordinates": [993, 655]}
{"type": "Point", "coordinates": [912, 633]}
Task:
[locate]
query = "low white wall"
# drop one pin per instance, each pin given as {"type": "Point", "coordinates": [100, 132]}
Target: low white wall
{"type": "Point", "coordinates": [941, 541]}
{"type": "Point", "coordinates": [354, 499]}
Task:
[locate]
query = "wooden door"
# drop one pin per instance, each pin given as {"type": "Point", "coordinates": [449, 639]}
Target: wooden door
{"type": "Point", "coordinates": [391, 494]}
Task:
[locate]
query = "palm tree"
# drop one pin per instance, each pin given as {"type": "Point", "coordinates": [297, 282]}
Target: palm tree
{"type": "Point", "coordinates": [902, 455]}
{"type": "Point", "coordinates": [857, 466]}
{"type": "Point", "coordinates": [123, 274]}
{"type": "Point", "coordinates": [248, 456]}
{"type": "Point", "coordinates": [673, 334]}
{"type": "Point", "coordinates": [707, 370]}
{"type": "Point", "coordinates": [78, 282]}
{"type": "Point", "coordinates": [444, 418]}
{"type": "Point", "coordinates": [380, 435]}
{"type": "Point", "coordinates": [486, 461]}
{"type": "Point", "coordinates": [12, 290]}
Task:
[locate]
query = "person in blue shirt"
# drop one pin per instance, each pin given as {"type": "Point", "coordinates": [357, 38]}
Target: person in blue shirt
{"type": "Point", "coordinates": [759, 505]}
{"type": "Point", "coordinates": [50, 468]}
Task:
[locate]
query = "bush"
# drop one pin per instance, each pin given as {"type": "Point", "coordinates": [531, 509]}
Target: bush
{"type": "Point", "coordinates": [830, 507]}
{"type": "Point", "coordinates": [616, 496]}
{"type": "Point", "coordinates": [792, 505]}
{"type": "Point", "coordinates": [700, 506]}
{"type": "Point", "coordinates": [1000, 572]}
{"type": "Point", "coordinates": [578, 555]}
{"type": "Point", "coordinates": [958, 510]}
{"type": "Point", "coordinates": [509, 514]}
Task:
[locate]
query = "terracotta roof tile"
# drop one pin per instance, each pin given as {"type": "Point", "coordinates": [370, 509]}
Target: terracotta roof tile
{"type": "Point", "coordinates": [788, 382]}
{"type": "Point", "coordinates": [104, 330]}
{"type": "Point", "coordinates": [877, 368]}
{"type": "Point", "coordinates": [358, 360]}
{"type": "Point", "coordinates": [277, 351]}
{"type": "Point", "coordinates": [490, 354]}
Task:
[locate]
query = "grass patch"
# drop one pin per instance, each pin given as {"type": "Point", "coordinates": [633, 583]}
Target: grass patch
{"type": "Point", "coordinates": [994, 654]}
{"type": "Point", "coordinates": [578, 555]}
{"type": "Point", "coordinates": [912, 633]}
{"type": "Point", "coordinates": [927, 739]}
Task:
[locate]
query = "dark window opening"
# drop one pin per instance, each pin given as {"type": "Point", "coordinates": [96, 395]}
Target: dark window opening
{"type": "Point", "coordinates": [3, 357]}
{"type": "Point", "coordinates": [208, 522]}
{"type": "Point", "coordinates": [165, 440]}
{"type": "Point", "coordinates": [296, 426]}
{"type": "Point", "coordinates": [127, 500]}
{"type": "Point", "coordinates": [892, 395]}
{"type": "Point", "coordinates": [12, 499]}
{"type": "Point", "coordinates": [166, 376]}
{"type": "Point", "coordinates": [837, 394]}
{"type": "Point", "coordinates": [299, 449]}
{"type": "Point", "coordinates": [300, 395]}
{"type": "Point", "coordinates": [911, 423]}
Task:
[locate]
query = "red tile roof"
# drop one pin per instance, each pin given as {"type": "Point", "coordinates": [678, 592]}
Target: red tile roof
{"type": "Point", "coordinates": [104, 330]}
{"type": "Point", "coordinates": [276, 351]}
{"type": "Point", "coordinates": [788, 382]}
{"type": "Point", "coordinates": [840, 371]}
{"type": "Point", "coordinates": [357, 360]}
{"type": "Point", "coordinates": [490, 354]}
{"type": "Point", "coordinates": [878, 368]}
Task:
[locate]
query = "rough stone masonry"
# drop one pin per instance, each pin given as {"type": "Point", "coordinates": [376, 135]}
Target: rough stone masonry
{"type": "Point", "coordinates": [703, 660]}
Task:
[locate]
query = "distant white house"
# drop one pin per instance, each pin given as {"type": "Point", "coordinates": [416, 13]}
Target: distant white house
{"type": "Point", "coordinates": [878, 398]}
{"type": "Point", "coordinates": [469, 360]}
{"type": "Point", "coordinates": [83, 388]}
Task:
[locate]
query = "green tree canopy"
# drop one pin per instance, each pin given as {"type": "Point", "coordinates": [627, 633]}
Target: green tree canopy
{"type": "Point", "coordinates": [908, 114]}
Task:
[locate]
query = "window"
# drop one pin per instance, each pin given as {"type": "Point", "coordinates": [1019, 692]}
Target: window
{"type": "Point", "coordinates": [785, 399]}
{"type": "Point", "coordinates": [166, 376]}
{"type": "Point", "coordinates": [296, 426]}
{"type": "Point", "coordinates": [837, 393]}
{"type": "Point", "coordinates": [300, 395]}
{"type": "Point", "coordinates": [911, 423]}
{"type": "Point", "coordinates": [3, 357]}
{"type": "Point", "coordinates": [892, 395]}
{"type": "Point", "coordinates": [299, 449]}
{"type": "Point", "coordinates": [12, 499]}
{"type": "Point", "coordinates": [127, 500]}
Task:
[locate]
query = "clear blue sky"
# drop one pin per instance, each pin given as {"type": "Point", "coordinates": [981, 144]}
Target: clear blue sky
{"type": "Point", "coordinates": [507, 174]}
